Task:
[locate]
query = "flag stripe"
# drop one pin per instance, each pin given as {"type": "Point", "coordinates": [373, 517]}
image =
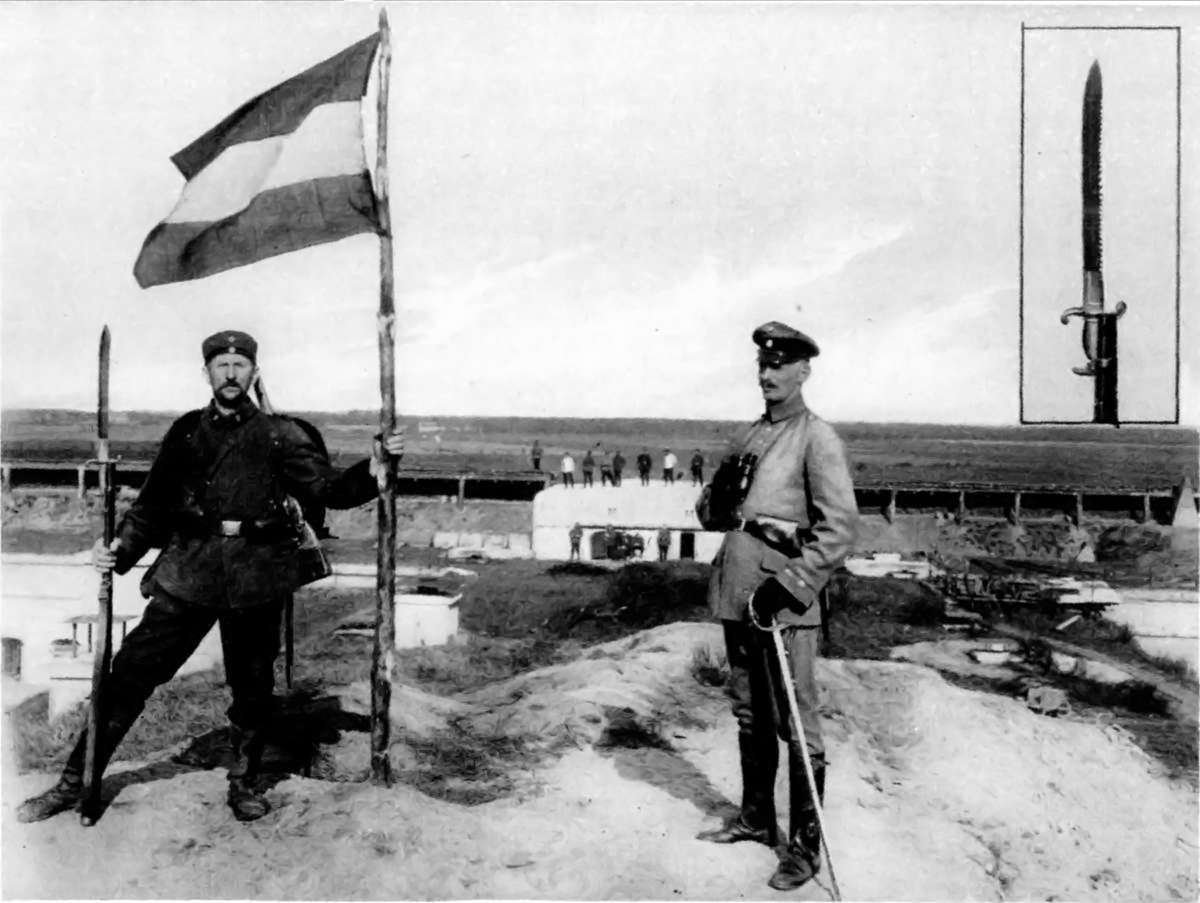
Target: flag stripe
{"type": "Point", "coordinates": [282, 109]}
{"type": "Point", "coordinates": [327, 143]}
{"type": "Point", "coordinates": [277, 221]}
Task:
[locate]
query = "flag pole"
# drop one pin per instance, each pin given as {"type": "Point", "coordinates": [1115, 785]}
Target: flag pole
{"type": "Point", "coordinates": [385, 579]}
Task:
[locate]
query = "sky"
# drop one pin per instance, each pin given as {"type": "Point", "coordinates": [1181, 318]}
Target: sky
{"type": "Point", "coordinates": [594, 204]}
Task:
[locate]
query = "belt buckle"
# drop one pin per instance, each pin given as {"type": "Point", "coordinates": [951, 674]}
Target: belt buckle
{"type": "Point", "coordinates": [231, 528]}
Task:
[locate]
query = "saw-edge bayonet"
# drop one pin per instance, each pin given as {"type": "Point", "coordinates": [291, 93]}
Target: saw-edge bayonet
{"type": "Point", "coordinates": [1099, 325]}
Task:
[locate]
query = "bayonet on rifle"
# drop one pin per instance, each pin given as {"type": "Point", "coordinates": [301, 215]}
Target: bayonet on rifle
{"type": "Point", "coordinates": [1099, 325]}
{"type": "Point", "coordinates": [93, 771]}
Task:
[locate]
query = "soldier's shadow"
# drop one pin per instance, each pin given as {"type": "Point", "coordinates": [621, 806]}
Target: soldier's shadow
{"type": "Point", "coordinates": [303, 722]}
{"type": "Point", "coordinates": [640, 753]}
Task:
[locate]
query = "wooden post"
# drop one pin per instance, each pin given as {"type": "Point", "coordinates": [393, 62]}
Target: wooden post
{"type": "Point", "coordinates": [889, 512]}
{"type": "Point", "coordinates": [961, 514]}
{"type": "Point", "coordinates": [6, 479]}
{"type": "Point", "coordinates": [81, 480]}
{"type": "Point", "coordinates": [1078, 508]}
{"type": "Point", "coordinates": [1015, 511]}
{"type": "Point", "coordinates": [462, 489]}
{"type": "Point", "coordinates": [1145, 508]}
{"type": "Point", "coordinates": [383, 652]}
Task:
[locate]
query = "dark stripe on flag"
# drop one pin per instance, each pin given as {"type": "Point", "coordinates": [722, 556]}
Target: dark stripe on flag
{"type": "Point", "coordinates": [280, 110]}
{"type": "Point", "coordinates": [277, 221]}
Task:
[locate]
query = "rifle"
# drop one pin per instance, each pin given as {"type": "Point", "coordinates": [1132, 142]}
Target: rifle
{"type": "Point", "coordinates": [93, 771]}
{"type": "Point", "coordinates": [289, 626]}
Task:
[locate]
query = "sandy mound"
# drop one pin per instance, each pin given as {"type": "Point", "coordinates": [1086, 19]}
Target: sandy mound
{"type": "Point", "coordinates": [935, 793]}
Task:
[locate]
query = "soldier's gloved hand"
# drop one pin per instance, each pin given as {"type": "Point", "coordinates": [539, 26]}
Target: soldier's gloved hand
{"type": "Point", "coordinates": [769, 599]}
{"type": "Point", "coordinates": [105, 558]}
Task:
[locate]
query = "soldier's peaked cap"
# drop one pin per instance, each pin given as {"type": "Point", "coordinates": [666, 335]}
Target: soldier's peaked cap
{"type": "Point", "coordinates": [779, 343]}
{"type": "Point", "coordinates": [230, 341]}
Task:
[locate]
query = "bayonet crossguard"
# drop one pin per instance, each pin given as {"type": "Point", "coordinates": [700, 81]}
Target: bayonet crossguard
{"type": "Point", "coordinates": [1099, 325]}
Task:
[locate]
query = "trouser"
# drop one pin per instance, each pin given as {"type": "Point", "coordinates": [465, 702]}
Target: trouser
{"type": "Point", "coordinates": [568, 479]}
{"type": "Point", "coordinates": [574, 550]}
{"type": "Point", "coordinates": [759, 702]}
{"type": "Point", "coordinates": [668, 476]}
{"type": "Point", "coordinates": [165, 637]}
{"type": "Point", "coordinates": [616, 478]}
{"type": "Point", "coordinates": [644, 475]}
{"type": "Point", "coordinates": [537, 463]}
{"type": "Point", "coordinates": [587, 478]}
{"type": "Point", "coordinates": [606, 477]}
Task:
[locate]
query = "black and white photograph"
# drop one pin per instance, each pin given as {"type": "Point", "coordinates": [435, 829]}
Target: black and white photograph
{"type": "Point", "coordinates": [599, 451]}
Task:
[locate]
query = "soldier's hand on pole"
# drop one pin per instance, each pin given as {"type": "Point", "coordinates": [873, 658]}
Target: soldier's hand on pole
{"type": "Point", "coordinates": [104, 558]}
{"type": "Point", "coordinates": [392, 446]}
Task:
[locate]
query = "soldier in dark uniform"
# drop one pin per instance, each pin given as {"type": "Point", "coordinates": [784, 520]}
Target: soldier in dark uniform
{"type": "Point", "coordinates": [214, 501]}
{"type": "Point", "coordinates": [618, 467]}
{"type": "Point", "coordinates": [576, 536]}
{"type": "Point", "coordinates": [644, 464]}
{"type": "Point", "coordinates": [790, 524]}
{"type": "Point", "coordinates": [589, 467]}
{"type": "Point", "coordinates": [698, 468]}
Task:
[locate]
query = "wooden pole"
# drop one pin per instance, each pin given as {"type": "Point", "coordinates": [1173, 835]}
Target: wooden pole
{"type": "Point", "coordinates": [385, 579]}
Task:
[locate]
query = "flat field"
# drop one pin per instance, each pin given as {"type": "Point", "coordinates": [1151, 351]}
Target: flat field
{"type": "Point", "coordinates": [1093, 458]}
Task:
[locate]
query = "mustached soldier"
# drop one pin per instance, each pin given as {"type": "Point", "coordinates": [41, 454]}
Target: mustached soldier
{"type": "Point", "coordinates": [214, 502]}
{"type": "Point", "coordinates": [791, 523]}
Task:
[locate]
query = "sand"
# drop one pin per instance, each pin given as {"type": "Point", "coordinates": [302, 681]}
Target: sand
{"type": "Point", "coordinates": [935, 793]}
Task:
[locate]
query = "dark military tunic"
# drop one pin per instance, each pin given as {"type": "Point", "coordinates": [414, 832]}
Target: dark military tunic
{"type": "Point", "coordinates": [235, 468]}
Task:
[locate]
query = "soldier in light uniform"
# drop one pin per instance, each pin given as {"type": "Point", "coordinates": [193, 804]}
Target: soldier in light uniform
{"type": "Point", "coordinates": [787, 501]}
{"type": "Point", "coordinates": [214, 502]}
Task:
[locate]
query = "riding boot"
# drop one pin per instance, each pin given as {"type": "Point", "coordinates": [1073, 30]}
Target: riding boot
{"type": "Point", "coordinates": [68, 792]}
{"type": "Point", "coordinates": [757, 820]}
{"type": "Point", "coordinates": [245, 799]}
{"type": "Point", "coordinates": [802, 859]}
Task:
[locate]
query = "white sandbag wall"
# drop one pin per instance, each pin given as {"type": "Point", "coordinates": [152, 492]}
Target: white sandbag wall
{"type": "Point", "coordinates": [630, 508]}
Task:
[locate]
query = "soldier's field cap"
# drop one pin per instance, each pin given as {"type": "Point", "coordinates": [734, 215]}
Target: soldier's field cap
{"type": "Point", "coordinates": [231, 341]}
{"type": "Point", "coordinates": [778, 343]}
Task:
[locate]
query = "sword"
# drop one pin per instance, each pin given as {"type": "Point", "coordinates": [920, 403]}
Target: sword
{"type": "Point", "coordinates": [1099, 325]}
{"type": "Point", "coordinates": [93, 770]}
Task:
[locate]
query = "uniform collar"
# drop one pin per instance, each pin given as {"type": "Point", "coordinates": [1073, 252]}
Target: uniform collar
{"type": "Point", "coordinates": [785, 410]}
{"type": "Point", "coordinates": [243, 412]}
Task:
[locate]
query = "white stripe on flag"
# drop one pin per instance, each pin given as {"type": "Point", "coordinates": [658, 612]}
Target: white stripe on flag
{"type": "Point", "coordinates": [327, 143]}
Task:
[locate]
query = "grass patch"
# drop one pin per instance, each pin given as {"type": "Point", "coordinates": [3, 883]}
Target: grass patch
{"type": "Point", "coordinates": [869, 616]}
{"type": "Point", "coordinates": [460, 766]}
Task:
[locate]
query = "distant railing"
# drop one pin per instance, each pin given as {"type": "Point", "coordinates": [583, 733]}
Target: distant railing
{"type": "Point", "coordinates": [958, 500]}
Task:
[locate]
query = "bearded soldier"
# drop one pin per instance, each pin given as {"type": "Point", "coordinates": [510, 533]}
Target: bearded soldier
{"type": "Point", "coordinates": [785, 497]}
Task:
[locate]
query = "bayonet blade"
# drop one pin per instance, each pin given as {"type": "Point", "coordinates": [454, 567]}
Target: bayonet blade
{"type": "Point", "coordinates": [102, 401]}
{"type": "Point", "coordinates": [1093, 99]}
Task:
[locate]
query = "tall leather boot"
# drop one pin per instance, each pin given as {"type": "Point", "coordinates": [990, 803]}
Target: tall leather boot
{"type": "Point", "coordinates": [802, 859]}
{"type": "Point", "coordinates": [756, 821]}
{"type": "Point", "coordinates": [67, 793]}
{"type": "Point", "coordinates": [246, 802]}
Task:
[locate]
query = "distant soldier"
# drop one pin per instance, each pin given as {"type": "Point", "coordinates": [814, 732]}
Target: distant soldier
{"type": "Point", "coordinates": [698, 468]}
{"type": "Point", "coordinates": [576, 535]}
{"type": "Point", "coordinates": [664, 543]}
{"type": "Point", "coordinates": [606, 470]}
{"type": "Point", "coordinates": [644, 463]}
{"type": "Point", "coordinates": [669, 464]}
{"type": "Point", "coordinates": [618, 467]}
{"type": "Point", "coordinates": [535, 454]}
{"type": "Point", "coordinates": [589, 468]}
{"type": "Point", "coordinates": [568, 470]}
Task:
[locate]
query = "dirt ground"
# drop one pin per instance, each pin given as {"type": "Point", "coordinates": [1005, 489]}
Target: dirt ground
{"type": "Point", "coordinates": [935, 793]}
